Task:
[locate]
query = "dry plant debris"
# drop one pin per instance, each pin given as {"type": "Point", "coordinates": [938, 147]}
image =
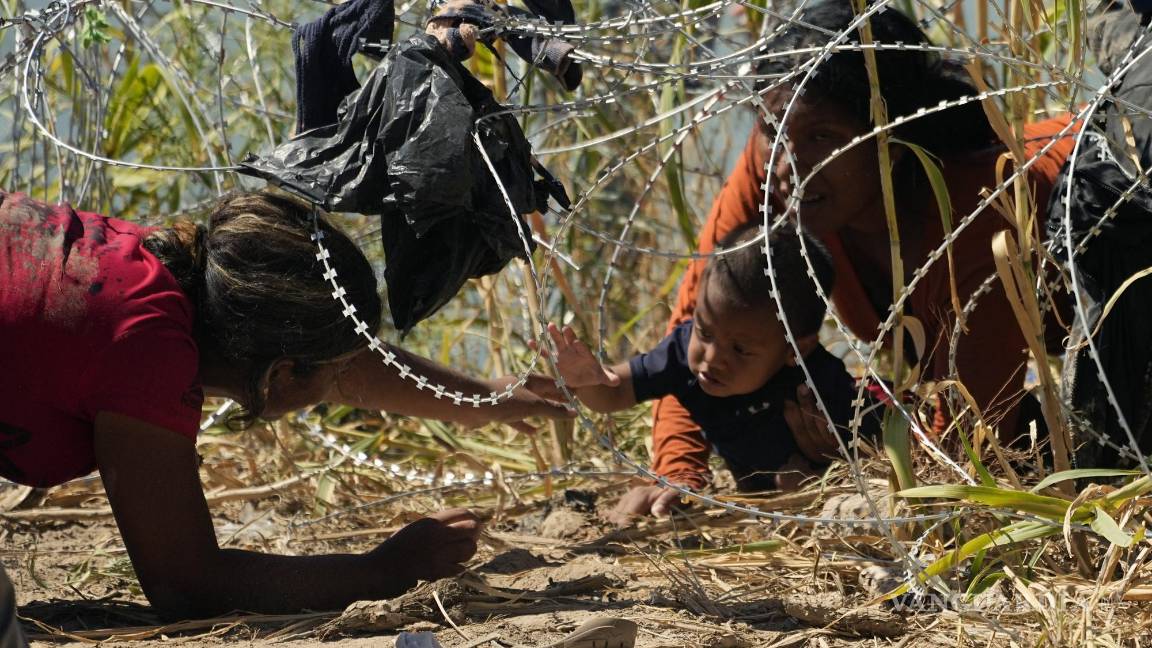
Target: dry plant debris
{"type": "Point", "coordinates": [655, 137]}
{"type": "Point", "coordinates": [706, 577]}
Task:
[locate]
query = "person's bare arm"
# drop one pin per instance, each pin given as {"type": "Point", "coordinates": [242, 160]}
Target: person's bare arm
{"type": "Point", "coordinates": [610, 398]}
{"type": "Point", "coordinates": [153, 485]}
{"type": "Point", "coordinates": [370, 384]}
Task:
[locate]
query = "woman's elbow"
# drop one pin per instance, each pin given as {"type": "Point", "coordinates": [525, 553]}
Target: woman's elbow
{"type": "Point", "coordinates": [190, 597]}
{"type": "Point", "coordinates": [171, 602]}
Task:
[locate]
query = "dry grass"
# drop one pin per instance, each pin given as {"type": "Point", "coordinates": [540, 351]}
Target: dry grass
{"type": "Point", "coordinates": [704, 577]}
{"type": "Point", "coordinates": [708, 578]}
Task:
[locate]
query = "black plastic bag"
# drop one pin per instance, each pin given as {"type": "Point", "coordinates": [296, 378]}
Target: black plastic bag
{"type": "Point", "coordinates": [403, 147]}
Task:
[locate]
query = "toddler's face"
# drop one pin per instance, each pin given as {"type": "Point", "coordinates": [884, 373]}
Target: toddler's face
{"type": "Point", "coordinates": [734, 350]}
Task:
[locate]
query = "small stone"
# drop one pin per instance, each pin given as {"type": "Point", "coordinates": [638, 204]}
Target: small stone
{"type": "Point", "coordinates": [563, 523]}
{"type": "Point", "coordinates": [851, 506]}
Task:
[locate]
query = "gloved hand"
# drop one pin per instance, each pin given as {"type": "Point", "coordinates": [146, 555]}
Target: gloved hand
{"type": "Point", "coordinates": [457, 24]}
{"type": "Point", "coordinates": [450, 25]}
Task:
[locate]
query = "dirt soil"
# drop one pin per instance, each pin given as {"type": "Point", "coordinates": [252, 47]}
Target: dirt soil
{"type": "Point", "coordinates": [543, 569]}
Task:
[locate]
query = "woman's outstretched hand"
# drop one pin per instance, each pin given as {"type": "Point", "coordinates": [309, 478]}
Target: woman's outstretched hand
{"type": "Point", "coordinates": [430, 548]}
{"type": "Point", "coordinates": [574, 360]}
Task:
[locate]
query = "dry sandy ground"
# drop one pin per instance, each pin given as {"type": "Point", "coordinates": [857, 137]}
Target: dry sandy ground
{"type": "Point", "coordinates": [544, 569]}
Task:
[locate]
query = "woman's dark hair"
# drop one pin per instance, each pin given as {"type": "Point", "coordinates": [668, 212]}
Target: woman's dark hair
{"type": "Point", "coordinates": [910, 79]}
{"type": "Point", "coordinates": [259, 291]}
{"type": "Point", "coordinates": [741, 275]}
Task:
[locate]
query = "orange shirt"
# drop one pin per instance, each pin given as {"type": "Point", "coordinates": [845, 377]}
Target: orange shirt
{"type": "Point", "coordinates": [991, 356]}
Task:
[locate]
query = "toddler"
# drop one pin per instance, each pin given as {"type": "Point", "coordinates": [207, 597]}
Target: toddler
{"type": "Point", "coordinates": [732, 366]}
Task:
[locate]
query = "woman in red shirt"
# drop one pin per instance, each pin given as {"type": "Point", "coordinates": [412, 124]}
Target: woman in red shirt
{"type": "Point", "coordinates": [842, 204]}
{"type": "Point", "coordinates": [111, 335]}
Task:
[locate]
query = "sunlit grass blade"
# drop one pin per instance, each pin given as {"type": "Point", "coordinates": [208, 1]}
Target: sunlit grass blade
{"type": "Point", "coordinates": [1052, 508]}
{"type": "Point", "coordinates": [1081, 473]}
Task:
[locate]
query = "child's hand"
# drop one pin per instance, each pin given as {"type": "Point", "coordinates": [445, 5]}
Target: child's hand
{"type": "Point", "coordinates": [640, 501]}
{"type": "Point", "coordinates": [574, 360]}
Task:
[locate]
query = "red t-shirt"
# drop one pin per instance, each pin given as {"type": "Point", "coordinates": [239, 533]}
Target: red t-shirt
{"type": "Point", "coordinates": [90, 322]}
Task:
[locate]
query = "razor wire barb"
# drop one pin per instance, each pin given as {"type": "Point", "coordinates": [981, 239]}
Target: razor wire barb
{"type": "Point", "coordinates": [647, 109]}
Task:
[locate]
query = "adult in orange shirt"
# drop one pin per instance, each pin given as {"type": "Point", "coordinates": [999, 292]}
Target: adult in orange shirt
{"type": "Point", "coordinates": [842, 203]}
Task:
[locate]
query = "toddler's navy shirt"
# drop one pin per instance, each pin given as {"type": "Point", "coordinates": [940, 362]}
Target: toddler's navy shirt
{"type": "Point", "coordinates": [748, 431]}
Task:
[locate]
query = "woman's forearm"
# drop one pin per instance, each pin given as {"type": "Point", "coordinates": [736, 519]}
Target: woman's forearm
{"type": "Point", "coordinates": [369, 383]}
{"type": "Point", "coordinates": [153, 484]}
{"type": "Point", "coordinates": [233, 579]}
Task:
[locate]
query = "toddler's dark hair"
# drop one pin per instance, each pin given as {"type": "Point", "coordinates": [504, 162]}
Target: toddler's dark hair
{"type": "Point", "coordinates": [741, 275]}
